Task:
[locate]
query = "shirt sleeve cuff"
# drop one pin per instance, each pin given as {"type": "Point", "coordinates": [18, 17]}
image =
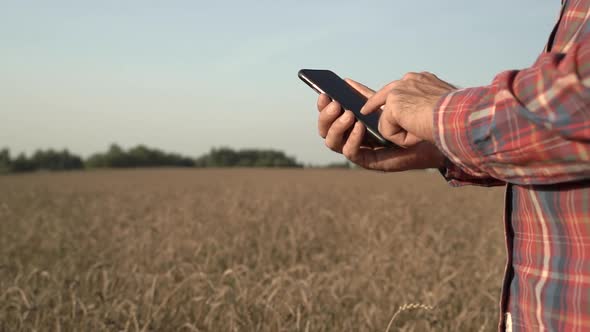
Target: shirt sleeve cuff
{"type": "Point", "coordinates": [453, 116]}
{"type": "Point", "coordinates": [456, 177]}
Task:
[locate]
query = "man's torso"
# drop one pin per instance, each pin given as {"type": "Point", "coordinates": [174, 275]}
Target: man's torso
{"type": "Point", "coordinates": [548, 233]}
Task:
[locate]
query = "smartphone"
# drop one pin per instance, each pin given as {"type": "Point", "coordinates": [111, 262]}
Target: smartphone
{"type": "Point", "coordinates": [327, 82]}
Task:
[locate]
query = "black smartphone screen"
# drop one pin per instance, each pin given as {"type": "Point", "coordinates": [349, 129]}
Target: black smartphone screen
{"type": "Point", "coordinates": [326, 81]}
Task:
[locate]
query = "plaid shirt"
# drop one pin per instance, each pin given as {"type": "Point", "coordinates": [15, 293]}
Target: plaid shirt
{"type": "Point", "coordinates": [530, 130]}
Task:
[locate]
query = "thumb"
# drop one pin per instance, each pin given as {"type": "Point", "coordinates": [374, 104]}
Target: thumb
{"type": "Point", "coordinates": [368, 93]}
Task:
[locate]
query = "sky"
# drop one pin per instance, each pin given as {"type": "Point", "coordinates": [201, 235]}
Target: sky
{"type": "Point", "coordinates": [185, 76]}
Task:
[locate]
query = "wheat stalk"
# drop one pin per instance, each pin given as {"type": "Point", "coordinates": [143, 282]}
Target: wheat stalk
{"type": "Point", "coordinates": [407, 307]}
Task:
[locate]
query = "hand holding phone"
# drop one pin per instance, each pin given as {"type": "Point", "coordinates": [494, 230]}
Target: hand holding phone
{"type": "Point", "coordinates": [327, 82]}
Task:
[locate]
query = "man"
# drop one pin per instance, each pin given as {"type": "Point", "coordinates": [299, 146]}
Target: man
{"type": "Point", "coordinates": [528, 130]}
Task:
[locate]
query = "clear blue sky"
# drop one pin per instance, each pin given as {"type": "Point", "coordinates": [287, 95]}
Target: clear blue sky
{"type": "Point", "coordinates": [188, 75]}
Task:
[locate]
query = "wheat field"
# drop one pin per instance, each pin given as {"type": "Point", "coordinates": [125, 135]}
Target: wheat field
{"type": "Point", "coordinates": [248, 250]}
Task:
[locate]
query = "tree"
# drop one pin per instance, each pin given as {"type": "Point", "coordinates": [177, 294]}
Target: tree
{"type": "Point", "coordinates": [56, 161]}
{"type": "Point", "coordinates": [22, 164]}
{"type": "Point", "coordinates": [5, 161]}
{"type": "Point", "coordinates": [226, 157]}
{"type": "Point", "coordinates": [139, 156]}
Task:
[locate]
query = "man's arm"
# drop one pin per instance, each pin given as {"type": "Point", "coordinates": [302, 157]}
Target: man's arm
{"type": "Point", "coordinates": [529, 127]}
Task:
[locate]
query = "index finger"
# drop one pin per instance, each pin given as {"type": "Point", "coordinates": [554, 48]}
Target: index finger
{"type": "Point", "coordinates": [368, 93]}
{"type": "Point", "coordinates": [376, 101]}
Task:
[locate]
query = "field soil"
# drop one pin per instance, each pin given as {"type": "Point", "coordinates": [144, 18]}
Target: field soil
{"type": "Point", "coordinates": [248, 250]}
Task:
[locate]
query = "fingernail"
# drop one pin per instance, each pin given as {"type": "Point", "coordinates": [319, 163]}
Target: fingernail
{"type": "Point", "coordinates": [363, 110]}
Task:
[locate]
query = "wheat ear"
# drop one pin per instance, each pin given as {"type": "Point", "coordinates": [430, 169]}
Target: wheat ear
{"type": "Point", "coordinates": [407, 307]}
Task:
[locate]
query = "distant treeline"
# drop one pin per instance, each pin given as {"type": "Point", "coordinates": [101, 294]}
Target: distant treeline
{"type": "Point", "coordinates": [48, 160]}
{"type": "Point", "coordinates": [226, 157]}
{"type": "Point", "coordinates": [139, 156]}
{"type": "Point", "coordinates": [142, 156]}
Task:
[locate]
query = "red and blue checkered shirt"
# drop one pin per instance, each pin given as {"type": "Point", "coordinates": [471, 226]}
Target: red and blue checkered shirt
{"type": "Point", "coordinates": [530, 130]}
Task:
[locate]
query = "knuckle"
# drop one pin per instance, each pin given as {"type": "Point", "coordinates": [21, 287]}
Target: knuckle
{"type": "Point", "coordinates": [346, 151]}
{"type": "Point", "coordinates": [325, 115]}
{"type": "Point", "coordinates": [350, 153]}
{"type": "Point", "coordinates": [391, 85]}
{"type": "Point", "coordinates": [330, 144]}
{"type": "Point", "coordinates": [413, 83]}
{"type": "Point", "coordinates": [331, 141]}
{"type": "Point", "coordinates": [411, 76]}
{"type": "Point", "coordinates": [332, 109]}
